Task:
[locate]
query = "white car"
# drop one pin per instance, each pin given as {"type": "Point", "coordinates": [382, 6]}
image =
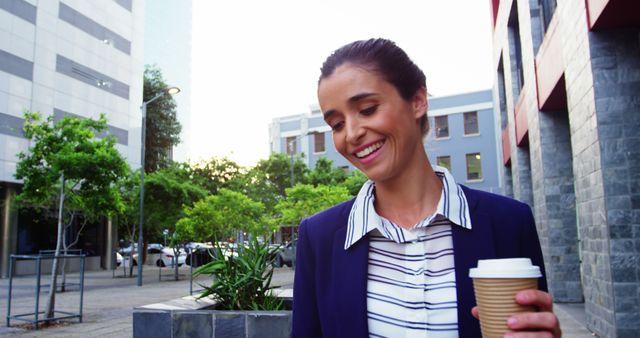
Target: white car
{"type": "Point", "coordinates": [161, 256]}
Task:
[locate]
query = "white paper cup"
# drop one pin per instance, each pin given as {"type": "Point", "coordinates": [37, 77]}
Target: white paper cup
{"type": "Point", "coordinates": [496, 283]}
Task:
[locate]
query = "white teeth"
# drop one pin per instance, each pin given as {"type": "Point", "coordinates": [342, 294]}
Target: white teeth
{"type": "Point", "coordinates": [368, 150]}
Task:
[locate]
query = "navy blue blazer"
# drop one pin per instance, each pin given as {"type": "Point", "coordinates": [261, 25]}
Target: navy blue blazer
{"type": "Point", "coordinates": [329, 294]}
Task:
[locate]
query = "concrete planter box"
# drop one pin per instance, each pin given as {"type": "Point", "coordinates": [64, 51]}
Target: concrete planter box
{"type": "Point", "coordinates": [186, 317]}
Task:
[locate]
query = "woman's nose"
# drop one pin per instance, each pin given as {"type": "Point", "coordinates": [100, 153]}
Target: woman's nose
{"type": "Point", "coordinates": [355, 131]}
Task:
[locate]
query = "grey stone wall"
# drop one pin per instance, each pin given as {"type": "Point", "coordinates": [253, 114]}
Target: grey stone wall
{"type": "Point", "coordinates": [616, 71]}
{"type": "Point", "coordinates": [558, 198]}
{"type": "Point", "coordinates": [589, 189]}
{"type": "Point", "coordinates": [581, 172]}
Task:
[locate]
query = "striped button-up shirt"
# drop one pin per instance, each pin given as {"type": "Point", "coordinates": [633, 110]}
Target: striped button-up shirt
{"type": "Point", "coordinates": [411, 278]}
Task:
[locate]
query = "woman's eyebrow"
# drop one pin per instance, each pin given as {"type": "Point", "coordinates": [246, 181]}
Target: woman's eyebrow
{"type": "Point", "coordinates": [328, 113]}
{"type": "Point", "coordinates": [359, 97]}
{"type": "Point", "coordinates": [352, 99]}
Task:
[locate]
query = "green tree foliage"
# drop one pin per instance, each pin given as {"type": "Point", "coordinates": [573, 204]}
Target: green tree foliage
{"type": "Point", "coordinates": [220, 216]}
{"type": "Point", "coordinates": [325, 174]}
{"type": "Point", "coordinates": [217, 173]}
{"type": "Point", "coordinates": [275, 172]}
{"type": "Point", "coordinates": [354, 182]}
{"type": "Point", "coordinates": [66, 158]}
{"type": "Point", "coordinates": [304, 200]}
{"type": "Point", "coordinates": [90, 165]}
{"type": "Point", "coordinates": [163, 128]}
{"type": "Point", "coordinates": [167, 192]}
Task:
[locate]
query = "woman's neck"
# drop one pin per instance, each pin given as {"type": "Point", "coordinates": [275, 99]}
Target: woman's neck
{"type": "Point", "coordinates": [409, 198]}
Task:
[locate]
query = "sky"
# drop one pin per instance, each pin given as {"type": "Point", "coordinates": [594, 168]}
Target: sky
{"type": "Point", "coordinates": [256, 60]}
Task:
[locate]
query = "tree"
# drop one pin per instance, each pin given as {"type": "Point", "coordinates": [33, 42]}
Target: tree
{"type": "Point", "coordinates": [220, 216]}
{"type": "Point", "coordinates": [276, 171]}
{"type": "Point", "coordinates": [354, 182]}
{"type": "Point", "coordinates": [163, 128]}
{"type": "Point", "coordinates": [304, 200]}
{"type": "Point", "coordinates": [65, 156]}
{"type": "Point", "coordinates": [129, 217]}
{"type": "Point", "coordinates": [167, 192]}
{"type": "Point", "coordinates": [325, 174]}
{"type": "Point", "coordinates": [217, 173]}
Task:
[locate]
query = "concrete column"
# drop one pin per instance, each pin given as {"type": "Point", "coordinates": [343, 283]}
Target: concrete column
{"type": "Point", "coordinates": [9, 228]}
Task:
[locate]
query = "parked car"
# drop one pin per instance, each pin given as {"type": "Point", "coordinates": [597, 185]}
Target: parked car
{"type": "Point", "coordinates": [165, 257]}
{"type": "Point", "coordinates": [286, 254]}
{"type": "Point", "coordinates": [199, 254]}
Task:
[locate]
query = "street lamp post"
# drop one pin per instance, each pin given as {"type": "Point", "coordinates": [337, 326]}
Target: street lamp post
{"type": "Point", "coordinates": [143, 108]}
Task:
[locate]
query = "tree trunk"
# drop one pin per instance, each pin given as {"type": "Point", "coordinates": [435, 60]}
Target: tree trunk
{"type": "Point", "coordinates": [51, 301]}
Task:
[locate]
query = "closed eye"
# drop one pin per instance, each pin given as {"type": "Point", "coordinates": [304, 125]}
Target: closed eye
{"type": "Point", "coordinates": [369, 110]}
{"type": "Point", "coordinates": [337, 126]}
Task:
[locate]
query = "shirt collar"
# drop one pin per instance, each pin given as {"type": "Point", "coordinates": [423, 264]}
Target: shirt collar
{"type": "Point", "coordinates": [363, 217]}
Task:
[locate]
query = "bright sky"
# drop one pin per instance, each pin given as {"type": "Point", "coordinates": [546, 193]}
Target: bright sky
{"type": "Point", "coordinates": [256, 60]}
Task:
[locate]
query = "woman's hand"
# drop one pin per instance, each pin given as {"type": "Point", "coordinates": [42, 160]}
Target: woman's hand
{"type": "Point", "coordinates": [543, 323]}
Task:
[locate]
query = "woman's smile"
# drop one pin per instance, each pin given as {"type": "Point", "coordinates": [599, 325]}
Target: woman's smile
{"type": "Point", "coordinates": [368, 153]}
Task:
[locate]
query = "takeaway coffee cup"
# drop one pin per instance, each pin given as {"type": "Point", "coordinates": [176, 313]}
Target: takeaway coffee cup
{"type": "Point", "coordinates": [496, 282]}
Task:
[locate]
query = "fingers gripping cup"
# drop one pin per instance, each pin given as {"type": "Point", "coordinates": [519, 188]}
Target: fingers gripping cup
{"type": "Point", "coordinates": [496, 282]}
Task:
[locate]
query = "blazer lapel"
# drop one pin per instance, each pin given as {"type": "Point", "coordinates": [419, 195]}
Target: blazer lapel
{"type": "Point", "coordinates": [349, 283]}
{"type": "Point", "coordinates": [469, 246]}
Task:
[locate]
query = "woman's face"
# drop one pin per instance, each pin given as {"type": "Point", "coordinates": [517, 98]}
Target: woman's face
{"type": "Point", "coordinates": [374, 128]}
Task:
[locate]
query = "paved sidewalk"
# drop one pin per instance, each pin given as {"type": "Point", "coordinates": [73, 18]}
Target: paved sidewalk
{"type": "Point", "coordinates": [109, 303]}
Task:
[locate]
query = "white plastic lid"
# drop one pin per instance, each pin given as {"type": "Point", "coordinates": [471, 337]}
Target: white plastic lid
{"type": "Point", "coordinates": [505, 268]}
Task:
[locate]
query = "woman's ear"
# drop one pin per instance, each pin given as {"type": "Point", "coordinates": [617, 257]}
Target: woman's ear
{"type": "Point", "coordinates": [420, 103]}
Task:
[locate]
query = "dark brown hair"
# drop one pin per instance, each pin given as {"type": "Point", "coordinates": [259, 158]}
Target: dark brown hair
{"type": "Point", "coordinates": [386, 58]}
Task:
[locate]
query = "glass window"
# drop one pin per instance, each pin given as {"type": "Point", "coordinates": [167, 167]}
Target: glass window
{"type": "Point", "coordinates": [291, 145]}
{"type": "Point", "coordinates": [474, 167]}
{"type": "Point", "coordinates": [547, 8]}
{"type": "Point", "coordinates": [471, 123]}
{"type": "Point", "coordinates": [444, 161]}
{"type": "Point", "coordinates": [442, 126]}
{"type": "Point", "coordinates": [318, 141]}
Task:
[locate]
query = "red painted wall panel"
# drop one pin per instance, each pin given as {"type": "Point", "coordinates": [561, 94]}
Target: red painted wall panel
{"type": "Point", "coordinates": [549, 63]}
{"type": "Point", "coordinates": [506, 148]}
{"type": "Point", "coordinates": [522, 124]}
{"type": "Point", "coordinates": [495, 6]}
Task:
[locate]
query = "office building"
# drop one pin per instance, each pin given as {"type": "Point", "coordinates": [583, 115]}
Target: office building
{"type": "Point", "coordinates": [566, 88]}
{"type": "Point", "coordinates": [462, 137]}
{"type": "Point", "coordinates": [70, 57]}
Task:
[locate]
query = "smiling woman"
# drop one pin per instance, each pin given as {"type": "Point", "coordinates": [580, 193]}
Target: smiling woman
{"type": "Point", "coordinates": [395, 260]}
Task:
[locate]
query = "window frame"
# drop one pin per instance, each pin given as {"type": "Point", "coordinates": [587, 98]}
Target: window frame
{"type": "Point", "coordinates": [291, 150]}
{"type": "Point", "coordinates": [480, 177]}
{"type": "Point", "coordinates": [464, 122]}
{"type": "Point", "coordinates": [443, 157]}
{"type": "Point", "coordinates": [316, 137]}
{"type": "Point", "coordinates": [435, 123]}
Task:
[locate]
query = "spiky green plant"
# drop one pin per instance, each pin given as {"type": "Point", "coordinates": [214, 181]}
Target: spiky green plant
{"type": "Point", "coordinates": [242, 278]}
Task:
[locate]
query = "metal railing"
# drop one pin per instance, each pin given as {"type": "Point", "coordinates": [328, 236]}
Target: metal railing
{"type": "Point", "coordinates": [34, 317]}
